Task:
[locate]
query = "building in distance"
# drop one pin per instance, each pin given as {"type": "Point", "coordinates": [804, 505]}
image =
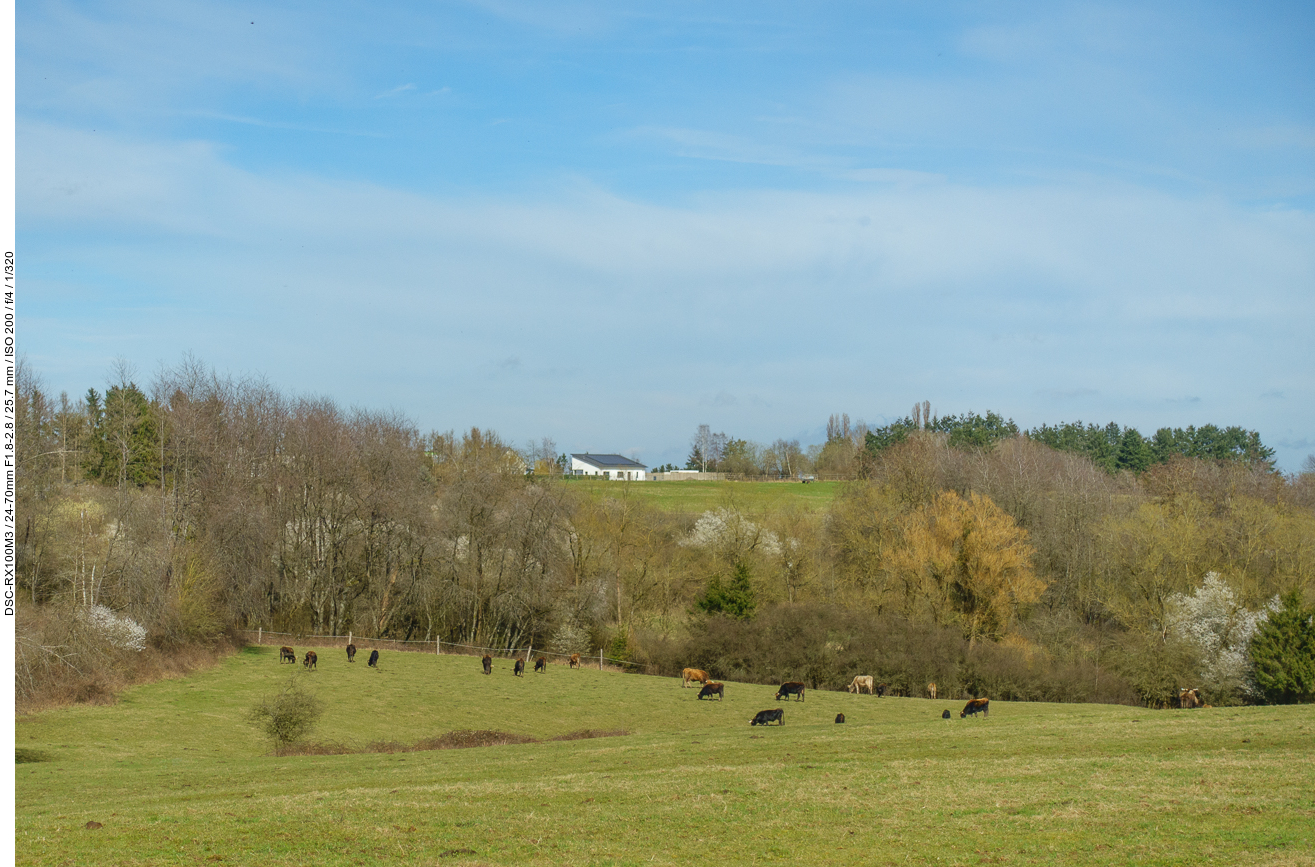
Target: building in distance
{"type": "Point", "coordinates": [609, 467]}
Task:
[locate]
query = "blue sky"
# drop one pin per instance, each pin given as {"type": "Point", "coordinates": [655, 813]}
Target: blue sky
{"type": "Point", "coordinates": [609, 223]}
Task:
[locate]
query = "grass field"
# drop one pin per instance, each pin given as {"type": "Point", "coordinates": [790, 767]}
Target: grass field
{"type": "Point", "coordinates": [695, 498]}
{"type": "Point", "coordinates": [176, 775]}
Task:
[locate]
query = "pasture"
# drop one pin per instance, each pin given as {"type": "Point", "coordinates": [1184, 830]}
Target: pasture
{"type": "Point", "coordinates": [176, 775]}
{"type": "Point", "coordinates": [695, 498]}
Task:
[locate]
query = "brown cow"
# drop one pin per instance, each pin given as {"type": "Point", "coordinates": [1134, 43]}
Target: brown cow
{"type": "Point", "coordinates": [711, 689]}
{"type": "Point", "coordinates": [794, 687]}
{"type": "Point", "coordinates": [309, 661]}
{"type": "Point", "coordinates": [488, 664]}
{"type": "Point", "coordinates": [519, 668]}
{"type": "Point", "coordinates": [575, 660]}
{"type": "Point", "coordinates": [931, 690]}
{"type": "Point", "coordinates": [287, 654]}
{"type": "Point", "coordinates": [1189, 698]}
{"type": "Point", "coordinates": [690, 675]}
{"type": "Point", "coordinates": [840, 717]}
{"type": "Point", "coordinates": [351, 653]}
{"type": "Point", "coordinates": [541, 665]}
{"type": "Point", "coordinates": [976, 706]}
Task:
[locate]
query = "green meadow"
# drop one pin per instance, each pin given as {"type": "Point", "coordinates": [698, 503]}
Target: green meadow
{"type": "Point", "coordinates": [695, 498]}
{"type": "Point", "coordinates": [175, 774]}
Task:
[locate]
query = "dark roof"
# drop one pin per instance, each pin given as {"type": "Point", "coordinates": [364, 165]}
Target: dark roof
{"type": "Point", "coordinates": [606, 461]}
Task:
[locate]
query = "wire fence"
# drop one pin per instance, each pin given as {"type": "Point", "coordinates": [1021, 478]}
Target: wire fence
{"type": "Point", "coordinates": [437, 646]}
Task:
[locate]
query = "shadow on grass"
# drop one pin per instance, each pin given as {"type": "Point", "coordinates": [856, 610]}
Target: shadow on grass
{"type": "Point", "coordinates": [454, 740]}
{"type": "Point", "coordinates": [24, 756]}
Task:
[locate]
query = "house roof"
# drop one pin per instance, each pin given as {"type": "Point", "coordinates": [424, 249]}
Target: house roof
{"type": "Point", "coordinates": [608, 462]}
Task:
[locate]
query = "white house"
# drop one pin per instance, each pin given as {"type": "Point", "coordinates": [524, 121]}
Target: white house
{"type": "Point", "coordinates": [609, 467]}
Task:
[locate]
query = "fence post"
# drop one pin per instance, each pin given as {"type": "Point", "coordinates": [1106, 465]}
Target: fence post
{"type": "Point", "coordinates": [600, 659]}
{"type": "Point", "coordinates": [349, 636]}
{"type": "Point", "coordinates": [529, 651]}
{"type": "Point", "coordinates": [260, 635]}
{"type": "Point", "coordinates": [438, 646]}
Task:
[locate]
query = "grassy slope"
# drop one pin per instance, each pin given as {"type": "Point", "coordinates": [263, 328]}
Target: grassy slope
{"type": "Point", "coordinates": [695, 498]}
{"type": "Point", "coordinates": [177, 776]}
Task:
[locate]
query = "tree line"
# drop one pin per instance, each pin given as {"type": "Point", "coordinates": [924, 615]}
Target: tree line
{"type": "Point", "coordinates": [168, 517]}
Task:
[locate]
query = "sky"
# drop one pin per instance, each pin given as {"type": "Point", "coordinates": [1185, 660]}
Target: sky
{"type": "Point", "coordinates": [608, 223]}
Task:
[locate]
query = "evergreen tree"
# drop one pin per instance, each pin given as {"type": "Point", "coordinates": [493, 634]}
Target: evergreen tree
{"type": "Point", "coordinates": [735, 599]}
{"type": "Point", "coordinates": [1283, 652]}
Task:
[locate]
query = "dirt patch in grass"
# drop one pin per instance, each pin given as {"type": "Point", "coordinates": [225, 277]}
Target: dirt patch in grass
{"type": "Point", "coordinates": [454, 740]}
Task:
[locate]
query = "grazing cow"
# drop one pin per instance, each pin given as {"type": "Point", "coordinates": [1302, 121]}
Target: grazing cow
{"type": "Point", "coordinates": [575, 660]}
{"type": "Point", "coordinates": [374, 659]}
{"type": "Point", "coordinates": [931, 690]}
{"type": "Point", "coordinates": [287, 654]}
{"type": "Point", "coordinates": [882, 689]}
{"type": "Point", "coordinates": [711, 689]}
{"type": "Point", "coordinates": [763, 717]}
{"type": "Point", "coordinates": [519, 669]}
{"type": "Point", "coordinates": [794, 687]}
{"type": "Point", "coordinates": [840, 717]}
{"type": "Point", "coordinates": [976, 706]}
{"type": "Point", "coordinates": [1189, 698]}
{"type": "Point", "coordinates": [860, 681]}
{"type": "Point", "coordinates": [945, 714]}
{"type": "Point", "coordinates": [309, 661]}
{"type": "Point", "coordinates": [689, 675]}
{"type": "Point", "coordinates": [488, 664]}
{"type": "Point", "coordinates": [351, 653]}
{"type": "Point", "coordinates": [541, 665]}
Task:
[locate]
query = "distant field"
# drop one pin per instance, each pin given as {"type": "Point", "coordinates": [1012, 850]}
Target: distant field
{"type": "Point", "coordinates": [695, 498]}
{"type": "Point", "coordinates": [176, 776]}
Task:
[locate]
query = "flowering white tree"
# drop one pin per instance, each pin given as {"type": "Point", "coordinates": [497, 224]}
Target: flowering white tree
{"type": "Point", "coordinates": [730, 534]}
{"type": "Point", "coordinates": [1211, 620]}
{"type": "Point", "coordinates": [117, 630]}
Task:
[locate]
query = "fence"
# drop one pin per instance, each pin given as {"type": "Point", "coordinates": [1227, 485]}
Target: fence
{"type": "Point", "coordinates": [438, 646]}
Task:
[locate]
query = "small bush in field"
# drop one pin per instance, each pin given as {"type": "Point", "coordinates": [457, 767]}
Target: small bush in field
{"type": "Point", "coordinates": [288, 716]}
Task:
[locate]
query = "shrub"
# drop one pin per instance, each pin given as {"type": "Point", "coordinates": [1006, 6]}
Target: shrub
{"type": "Point", "coordinates": [288, 716]}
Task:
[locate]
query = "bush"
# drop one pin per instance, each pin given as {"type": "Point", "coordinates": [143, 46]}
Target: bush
{"type": "Point", "coordinates": [288, 716]}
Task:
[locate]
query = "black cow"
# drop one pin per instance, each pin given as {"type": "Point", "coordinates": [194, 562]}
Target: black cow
{"type": "Point", "coordinates": [977, 705]}
{"type": "Point", "coordinates": [519, 670]}
{"type": "Point", "coordinates": [541, 665]}
{"type": "Point", "coordinates": [763, 717]}
{"type": "Point", "coordinates": [711, 689]}
{"type": "Point", "coordinates": [882, 689]}
{"type": "Point", "coordinates": [374, 659]}
{"type": "Point", "coordinates": [287, 654]}
{"type": "Point", "coordinates": [351, 653]}
{"type": "Point", "coordinates": [309, 661]}
{"type": "Point", "coordinates": [794, 687]}
{"type": "Point", "coordinates": [945, 714]}
{"type": "Point", "coordinates": [488, 664]}
{"type": "Point", "coordinates": [840, 717]}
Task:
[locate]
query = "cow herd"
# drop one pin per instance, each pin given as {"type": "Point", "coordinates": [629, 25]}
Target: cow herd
{"type": "Point", "coordinates": [710, 689]}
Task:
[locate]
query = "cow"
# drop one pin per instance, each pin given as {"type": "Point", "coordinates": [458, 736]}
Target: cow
{"type": "Point", "coordinates": [1189, 698]}
{"type": "Point", "coordinates": [519, 668]}
{"type": "Point", "coordinates": [794, 687]}
{"type": "Point", "coordinates": [309, 661]}
{"type": "Point", "coordinates": [763, 717]}
{"type": "Point", "coordinates": [374, 659]}
{"type": "Point", "coordinates": [575, 660]}
{"type": "Point", "coordinates": [931, 690]}
{"type": "Point", "coordinates": [711, 689]}
{"type": "Point", "coordinates": [945, 714]}
{"type": "Point", "coordinates": [351, 653]}
{"type": "Point", "coordinates": [840, 717]}
{"type": "Point", "coordinates": [488, 664]}
{"type": "Point", "coordinates": [882, 689]}
{"type": "Point", "coordinates": [860, 681]}
{"type": "Point", "coordinates": [541, 665]}
{"type": "Point", "coordinates": [689, 675]}
{"type": "Point", "coordinates": [976, 706]}
{"type": "Point", "coordinates": [287, 654]}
